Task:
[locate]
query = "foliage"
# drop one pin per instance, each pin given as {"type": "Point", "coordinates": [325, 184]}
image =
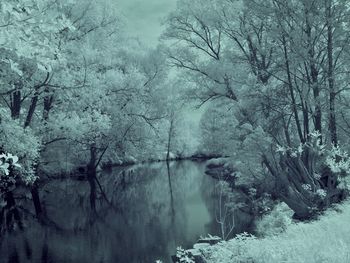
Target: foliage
{"type": "Point", "coordinates": [8, 163]}
{"type": "Point", "coordinates": [23, 144]}
{"type": "Point", "coordinates": [183, 256]}
{"type": "Point", "coordinates": [300, 242]}
{"type": "Point", "coordinates": [59, 80]}
{"type": "Point", "coordinates": [275, 222]}
{"type": "Point", "coordinates": [278, 66]}
{"type": "Point", "coordinates": [217, 127]}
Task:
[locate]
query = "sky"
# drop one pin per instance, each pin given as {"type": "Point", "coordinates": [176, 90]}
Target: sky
{"type": "Point", "coordinates": [144, 17]}
{"type": "Point", "coordinates": [144, 21]}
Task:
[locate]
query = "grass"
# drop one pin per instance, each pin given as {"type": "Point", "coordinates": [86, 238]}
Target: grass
{"type": "Point", "coordinates": [324, 240]}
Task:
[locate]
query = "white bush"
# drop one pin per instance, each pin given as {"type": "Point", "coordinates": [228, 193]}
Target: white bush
{"type": "Point", "coordinates": [275, 222]}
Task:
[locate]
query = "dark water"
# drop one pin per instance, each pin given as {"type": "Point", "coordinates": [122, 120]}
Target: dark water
{"type": "Point", "coordinates": [147, 211]}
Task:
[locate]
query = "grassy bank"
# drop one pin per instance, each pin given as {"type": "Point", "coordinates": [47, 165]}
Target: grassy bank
{"type": "Point", "coordinates": [324, 240]}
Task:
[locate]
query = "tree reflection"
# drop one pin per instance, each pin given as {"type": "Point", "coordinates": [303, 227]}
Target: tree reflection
{"type": "Point", "coordinates": [172, 209]}
{"type": "Point", "coordinates": [131, 214]}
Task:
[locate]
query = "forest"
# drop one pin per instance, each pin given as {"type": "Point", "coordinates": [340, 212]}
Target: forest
{"type": "Point", "coordinates": [227, 141]}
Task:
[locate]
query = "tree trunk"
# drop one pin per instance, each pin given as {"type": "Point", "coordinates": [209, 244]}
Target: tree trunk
{"type": "Point", "coordinates": [48, 100]}
{"type": "Point", "coordinates": [15, 104]}
{"type": "Point", "coordinates": [291, 175]}
{"type": "Point", "coordinates": [313, 78]}
{"type": "Point", "coordinates": [170, 134]}
{"type": "Point", "coordinates": [302, 211]}
{"type": "Point", "coordinates": [290, 86]}
{"type": "Point", "coordinates": [31, 111]}
{"type": "Point", "coordinates": [330, 74]}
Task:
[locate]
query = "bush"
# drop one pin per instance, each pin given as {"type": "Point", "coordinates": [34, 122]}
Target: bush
{"type": "Point", "coordinates": [323, 240]}
{"type": "Point", "coordinates": [274, 222]}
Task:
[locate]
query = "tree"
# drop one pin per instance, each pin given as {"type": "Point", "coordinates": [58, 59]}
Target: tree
{"type": "Point", "coordinates": [216, 127]}
{"type": "Point", "coordinates": [287, 49]}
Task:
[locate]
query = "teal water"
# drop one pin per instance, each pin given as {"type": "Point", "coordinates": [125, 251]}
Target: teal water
{"type": "Point", "coordinates": [150, 210]}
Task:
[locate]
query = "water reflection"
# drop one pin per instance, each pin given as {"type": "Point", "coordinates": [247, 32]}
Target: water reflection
{"type": "Point", "coordinates": [144, 213]}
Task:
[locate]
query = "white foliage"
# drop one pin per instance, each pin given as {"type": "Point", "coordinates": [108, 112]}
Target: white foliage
{"type": "Point", "coordinates": [23, 144]}
{"type": "Point", "coordinates": [338, 160]}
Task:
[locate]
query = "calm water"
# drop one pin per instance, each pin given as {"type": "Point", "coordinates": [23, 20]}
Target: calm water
{"type": "Point", "coordinates": [150, 211]}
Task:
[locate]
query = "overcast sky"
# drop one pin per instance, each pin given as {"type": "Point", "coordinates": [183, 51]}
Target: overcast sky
{"type": "Point", "coordinates": [144, 18]}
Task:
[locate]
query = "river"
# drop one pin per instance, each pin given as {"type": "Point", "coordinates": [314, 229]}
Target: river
{"type": "Point", "coordinates": [145, 213]}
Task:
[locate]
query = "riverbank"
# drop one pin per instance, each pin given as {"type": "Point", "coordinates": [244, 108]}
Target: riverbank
{"type": "Point", "coordinates": [132, 161]}
{"type": "Point", "coordinates": [324, 240]}
{"type": "Point", "coordinates": [78, 171]}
